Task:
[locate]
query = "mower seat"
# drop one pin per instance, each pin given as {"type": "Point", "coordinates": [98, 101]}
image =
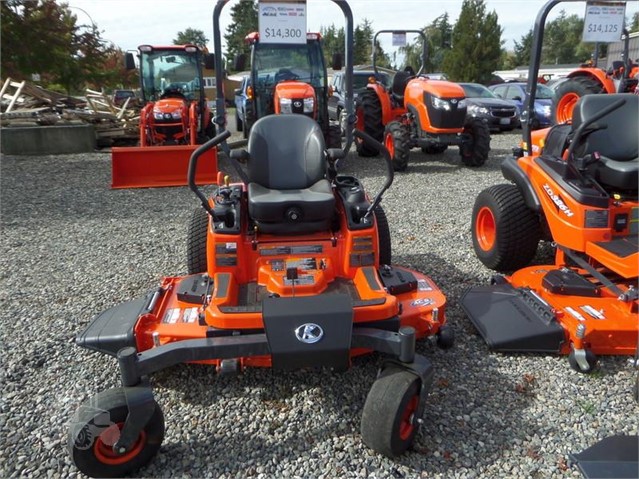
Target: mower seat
{"type": "Point", "coordinates": [617, 143]}
{"type": "Point", "coordinates": [288, 192]}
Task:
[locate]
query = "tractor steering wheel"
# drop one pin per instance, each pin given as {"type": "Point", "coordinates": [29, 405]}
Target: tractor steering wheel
{"type": "Point", "coordinates": [173, 91]}
{"type": "Point", "coordinates": [284, 74]}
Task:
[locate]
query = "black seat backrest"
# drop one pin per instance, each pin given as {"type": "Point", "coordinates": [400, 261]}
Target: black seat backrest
{"type": "Point", "coordinates": [619, 140]}
{"type": "Point", "coordinates": [286, 152]}
{"type": "Point", "coordinates": [400, 80]}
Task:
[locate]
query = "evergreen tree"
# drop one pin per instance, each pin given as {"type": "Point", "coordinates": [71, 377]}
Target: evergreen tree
{"type": "Point", "coordinates": [523, 49]}
{"type": "Point", "coordinates": [243, 21]}
{"type": "Point", "coordinates": [191, 36]}
{"type": "Point", "coordinates": [476, 48]}
{"type": "Point", "coordinates": [333, 42]}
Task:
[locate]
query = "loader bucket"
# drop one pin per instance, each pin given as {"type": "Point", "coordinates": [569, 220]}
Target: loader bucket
{"type": "Point", "coordinates": [158, 166]}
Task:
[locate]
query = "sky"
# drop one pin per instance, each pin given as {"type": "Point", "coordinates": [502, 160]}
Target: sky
{"type": "Point", "coordinates": [129, 23]}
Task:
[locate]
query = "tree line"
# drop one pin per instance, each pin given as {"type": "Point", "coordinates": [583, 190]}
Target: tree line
{"type": "Point", "coordinates": [45, 38]}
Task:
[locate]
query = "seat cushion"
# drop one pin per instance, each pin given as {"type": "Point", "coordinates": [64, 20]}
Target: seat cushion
{"type": "Point", "coordinates": [622, 175]}
{"type": "Point", "coordinates": [300, 210]}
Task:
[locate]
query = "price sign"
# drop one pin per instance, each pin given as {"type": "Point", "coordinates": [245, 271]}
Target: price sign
{"type": "Point", "coordinates": [604, 21]}
{"type": "Point", "coordinates": [399, 39]}
{"type": "Point", "coordinates": [282, 21]}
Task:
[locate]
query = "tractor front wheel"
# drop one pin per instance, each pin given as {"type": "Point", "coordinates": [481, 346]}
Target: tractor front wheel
{"type": "Point", "coordinates": [196, 242]}
{"type": "Point", "coordinates": [505, 231]}
{"type": "Point", "coordinates": [397, 142]}
{"type": "Point", "coordinates": [569, 92]}
{"type": "Point", "coordinates": [96, 427]}
{"type": "Point", "coordinates": [369, 120]}
{"type": "Point", "coordinates": [474, 152]}
{"type": "Point", "coordinates": [389, 419]}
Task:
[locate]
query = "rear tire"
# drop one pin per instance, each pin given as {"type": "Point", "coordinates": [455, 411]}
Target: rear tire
{"type": "Point", "coordinates": [196, 242]}
{"type": "Point", "coordinates": [370, 111]}
{"type": "Point", "coordinates": [568, 93]}
{"type": "Point", "coordinates": [388, 423]}
{"type": "Point", "coordinates": [397, 141]}
{"type": "Point", "coordinates": [95, 428]}
{"type": "Point", "coordinates": [383, 236]}
{"type": "Point", "coordinates": [475, 152]}
{"type": "Point", "coordinates": [505, 231]}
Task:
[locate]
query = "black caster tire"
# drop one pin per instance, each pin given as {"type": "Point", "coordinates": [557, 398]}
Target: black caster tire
{"type": "Point", "coordinates": [95, 428]}
{"type": "Point", "coordinates": [445, 337]}
{"type": "Point", "coordinates": [591, 359]}
{"type": "Point", "coordinates": [389, 424]}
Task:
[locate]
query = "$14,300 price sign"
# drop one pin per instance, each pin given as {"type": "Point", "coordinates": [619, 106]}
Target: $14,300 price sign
{"type": "Point", "coordinates": [604, 22]}
{"type": "Point", "coordinates": [282, 22]}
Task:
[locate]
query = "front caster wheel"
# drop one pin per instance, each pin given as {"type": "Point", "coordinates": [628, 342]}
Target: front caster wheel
{"type": "Point", "coordinates": [389, 419]}
{"type": "Point", "coordinates": [96, 426]}
{"type": "Point", "coordinates": [445, 337]}
{"type": "Point", "coordinates": [584, 364]}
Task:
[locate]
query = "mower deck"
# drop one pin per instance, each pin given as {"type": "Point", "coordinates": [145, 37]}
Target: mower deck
{"type": "Point", "coordinates": [351, 314]}
{"type": "Point", "coordinates": [540, 308]}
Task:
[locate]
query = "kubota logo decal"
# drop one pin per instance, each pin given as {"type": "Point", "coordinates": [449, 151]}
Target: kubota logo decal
{"type": "Point", "coordinates": [558, 201]}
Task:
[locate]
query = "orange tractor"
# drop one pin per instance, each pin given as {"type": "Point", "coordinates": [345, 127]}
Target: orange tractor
{"type": "Point", "coordinates": [622, 77]}
{"type": "Point", "coordinates": [577, 186]}
{"type": "Point", "coordinates": [174, 120]}
{"type": "Point", "coordinates": [289, 78]}
{"type": "Point", "coordinates": [419, 112]}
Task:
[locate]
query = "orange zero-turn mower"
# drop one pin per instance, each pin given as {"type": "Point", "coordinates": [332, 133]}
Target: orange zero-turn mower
{"type": "Point", "coordinates": [174, 120]}
{"type": "Point", "coordinates": [289, 268]}
{"type": "Point", "coordinates": [578, 189]}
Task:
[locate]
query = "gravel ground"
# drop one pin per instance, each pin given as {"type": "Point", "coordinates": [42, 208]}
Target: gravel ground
{"type": "Point", "coordinates": [72, 247]}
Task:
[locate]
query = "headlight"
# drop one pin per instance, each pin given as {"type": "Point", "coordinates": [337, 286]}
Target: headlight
{"type": "Point", "coordinates": [309, 105]}
{"type": "Point", "coordinates": [544, 111]}
{"type": "Point", "coordinates": [477, 110]}
{"type": "Point", "coordinates": [176, 115]}
{"type": "Point", "coordinates": [440, 104]}
{"type": "Point", "coordinates": [461, 104]}
{"type": "Point", "coordinates": [286, 105]}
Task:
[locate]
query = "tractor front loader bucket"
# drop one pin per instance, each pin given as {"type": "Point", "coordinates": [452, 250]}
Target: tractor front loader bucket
{"type": "Point", "coordinates": [158, 166]}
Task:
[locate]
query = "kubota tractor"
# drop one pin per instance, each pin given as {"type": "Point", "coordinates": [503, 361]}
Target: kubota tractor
{"type": "Point", "coordinates": [420, 112]}
{"type": "Point", "coordinates": [621, 77]}
{"type": "Point", "coordinates": [289, 78]}
{"type": "Point", "coordinates": [174, 120]}
{"type": "Point", "coordinates": [579, 189]}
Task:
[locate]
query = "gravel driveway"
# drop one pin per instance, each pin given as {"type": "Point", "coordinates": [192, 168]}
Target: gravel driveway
{"type": "Point", "coordinates": [72, 247]}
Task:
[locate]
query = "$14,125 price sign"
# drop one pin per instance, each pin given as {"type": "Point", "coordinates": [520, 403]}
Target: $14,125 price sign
{"type": "Point", "coordinates": [282, 22]}
{"type": "Point", "coordinates": [603, 22]}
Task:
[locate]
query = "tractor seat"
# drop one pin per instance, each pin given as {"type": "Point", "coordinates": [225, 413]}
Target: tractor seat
{"type": "Point", "coordinates": [400, 80]}
{"type": "Point", "coordinates": [617, 144]}
{"type": "Point", "coordinates": [288, 192]}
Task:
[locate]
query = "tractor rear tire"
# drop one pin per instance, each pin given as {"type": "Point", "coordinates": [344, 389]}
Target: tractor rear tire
{"type": "Point", "coordinates": [505, 231]}
{"type": "Point", "coordinates": [383, 236]}
{"type": "Point", "coordinates": [196, 242]}
{"type": "Point", "coordinates": [397, 141]}
{"type": "Point", "coordinates": [475, 152]}
{"type": "Point", "coordinates": [371, 112]}
{"type": "Point", "coordinates": [388, 423]}
{"type": "Point", "coordinates": [569, 92]}
{"type": "Point", "coordinates": [95, 427]}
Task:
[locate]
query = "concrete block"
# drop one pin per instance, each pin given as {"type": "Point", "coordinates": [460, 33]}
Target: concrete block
{"type": "Point", "coordinates": [48, 140]}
